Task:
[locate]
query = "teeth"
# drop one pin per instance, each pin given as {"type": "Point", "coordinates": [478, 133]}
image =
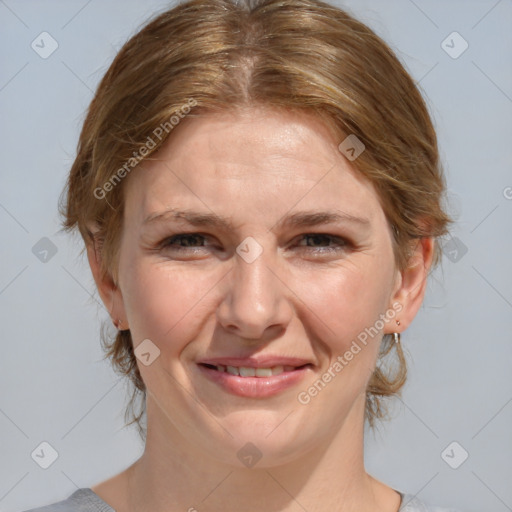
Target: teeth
{"type": "Point", "coordinates": [263, 372]}
{"type": "Point", "coordinates": [246, 371]}
{"type": "Point", "coordinates": [232, 370]}
{"type": "Point", "coordinates": [277, 370]}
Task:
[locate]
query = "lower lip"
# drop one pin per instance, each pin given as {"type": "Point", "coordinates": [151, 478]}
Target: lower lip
{"type": "Point", "coordinates": [255, 387]}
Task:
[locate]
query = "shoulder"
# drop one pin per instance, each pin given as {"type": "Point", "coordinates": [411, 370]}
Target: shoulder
{"type": "Point", "coordinates": [82, 500]}
{"type": "Point", "coordinates": [411, 503]}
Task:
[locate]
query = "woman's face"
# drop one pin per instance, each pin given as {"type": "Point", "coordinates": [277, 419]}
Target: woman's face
{"type": "Point", "coordinates": [251, 244]}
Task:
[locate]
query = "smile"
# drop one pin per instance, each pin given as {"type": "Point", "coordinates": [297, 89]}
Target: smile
{"type": "Point", "coordinates": [256, 381]}
{"type": "Point", "coordinates": [248, 371]}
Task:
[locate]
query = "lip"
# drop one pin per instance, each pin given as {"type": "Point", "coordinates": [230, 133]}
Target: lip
{"type": "Point", "coordinates": [255, 387]}
{"type": "Point", "coordinates": [256, 362]}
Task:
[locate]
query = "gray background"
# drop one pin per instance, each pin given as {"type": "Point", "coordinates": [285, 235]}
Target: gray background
{"type": "Point", "coordinates": [55, 386]}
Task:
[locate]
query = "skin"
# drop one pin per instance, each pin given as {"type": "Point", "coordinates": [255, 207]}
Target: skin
{"type": "Point", "coordinates": [303, 296]}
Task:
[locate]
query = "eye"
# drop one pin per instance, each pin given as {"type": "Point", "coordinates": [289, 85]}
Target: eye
{"type": "Point", "coordinates": [197, 243]}
{"type": "Point", "coordinates": [184, 242]}
{"type": "Point", "coordinates": [323, 243]}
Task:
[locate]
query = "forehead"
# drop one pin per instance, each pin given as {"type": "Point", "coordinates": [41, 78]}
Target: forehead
{"type": "Point", "coordinates": [252, 162]}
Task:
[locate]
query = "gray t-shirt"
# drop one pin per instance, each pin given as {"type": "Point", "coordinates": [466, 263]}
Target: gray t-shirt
{"type": "Point", "coordinates": [85, 500]}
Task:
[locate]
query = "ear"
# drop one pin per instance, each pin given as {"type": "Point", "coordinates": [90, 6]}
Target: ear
{"type": "Point", "coordinates": [109, 291]}
{"type": "Point", "coordinates": [411, 284]}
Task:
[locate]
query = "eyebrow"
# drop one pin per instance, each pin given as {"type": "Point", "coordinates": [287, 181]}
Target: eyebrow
{"type": "Point", "coordinates": [295, 220]}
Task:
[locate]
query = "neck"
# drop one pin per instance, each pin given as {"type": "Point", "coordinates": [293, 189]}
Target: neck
{"type": "Point", "coordinates": [173, 475]}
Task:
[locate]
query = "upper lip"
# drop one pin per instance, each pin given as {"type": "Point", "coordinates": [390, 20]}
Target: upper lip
{"type": "Point", "coordinates": [255, 362]}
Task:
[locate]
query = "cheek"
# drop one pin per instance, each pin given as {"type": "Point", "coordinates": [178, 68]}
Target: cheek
{"type": "Point", "coordinates": [342, 308]}
{"type": "Point", "coordinates": [166, 305]}
{"type": "Point", "coordinates": [341, 303]}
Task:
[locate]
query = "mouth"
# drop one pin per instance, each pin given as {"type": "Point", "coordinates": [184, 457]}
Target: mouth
{"type": "Point", "coordinates": [254, 379]}
{"type": "Point", "coordinates": [250, 371]}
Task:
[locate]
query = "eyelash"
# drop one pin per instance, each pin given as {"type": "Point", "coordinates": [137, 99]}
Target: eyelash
{"type": "Point", "coordinates": [341, 243]}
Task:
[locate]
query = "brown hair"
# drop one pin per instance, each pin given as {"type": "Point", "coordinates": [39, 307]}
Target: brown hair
{"type": "Point", "coordinates": [217, 55]}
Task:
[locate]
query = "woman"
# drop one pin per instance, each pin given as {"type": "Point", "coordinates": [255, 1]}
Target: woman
{"type": "Point", "coordinates": [259, 191]}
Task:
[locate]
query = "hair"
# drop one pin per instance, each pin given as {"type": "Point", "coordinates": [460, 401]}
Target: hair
{"type": "Point", "coordinates": [207, 56]}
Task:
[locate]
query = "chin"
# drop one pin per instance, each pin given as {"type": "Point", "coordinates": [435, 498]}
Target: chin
{"type": "Point", "coordinates": [258, 439]}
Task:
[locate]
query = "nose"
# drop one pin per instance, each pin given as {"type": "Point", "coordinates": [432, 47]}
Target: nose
{"type": "Point", "coordinates": [256, 302]}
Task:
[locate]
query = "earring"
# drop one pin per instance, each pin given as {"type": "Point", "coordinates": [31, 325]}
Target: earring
{"type": "Point", "coordinates": [117, 324]}
{"type": "Point", "coordinates": [396, 335]}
